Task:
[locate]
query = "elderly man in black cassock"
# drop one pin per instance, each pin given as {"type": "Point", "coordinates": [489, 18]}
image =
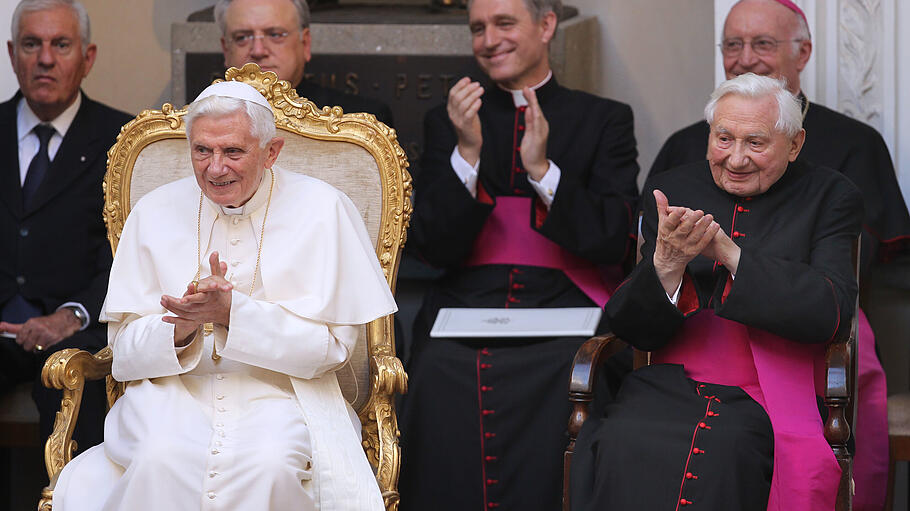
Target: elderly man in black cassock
{"type": "Point", "coordinates": [745, 275]}
{"type": "Point", "coordinates": [771, 37]}
{"type": "Point", "coordinates": [519, 175]}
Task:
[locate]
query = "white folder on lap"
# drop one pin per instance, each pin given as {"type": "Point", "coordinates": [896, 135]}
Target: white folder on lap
{"type": "Point", "coordinates": [557, 322]}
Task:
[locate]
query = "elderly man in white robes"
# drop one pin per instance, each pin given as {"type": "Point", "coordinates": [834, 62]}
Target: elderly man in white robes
{"type": "Point", "coordinates": [233, 298]}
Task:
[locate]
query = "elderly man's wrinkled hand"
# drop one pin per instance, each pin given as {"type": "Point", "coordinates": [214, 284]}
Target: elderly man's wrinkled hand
{"type": "Point", "coordinates": [723, 250]}
{"type": "Point", "coordinates": [208, 301]}
{"type": "Point", "coordinates": [463, 104]}
{"type": "Point", "coordinates": [682, 234]}
{"type": "Point", "coordinates": [42, 332]}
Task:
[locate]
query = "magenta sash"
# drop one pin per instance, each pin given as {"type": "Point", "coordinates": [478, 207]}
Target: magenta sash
{"type": "Point", "coordinates": [780, 375]}
{"type": "Point", "coordinates": [870, 465]}
{"type": "Point", "coordinates": [507, 238]}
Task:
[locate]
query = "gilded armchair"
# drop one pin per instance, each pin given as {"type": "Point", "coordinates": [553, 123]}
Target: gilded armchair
{"type": "Point", "coordinates": [353, 152]}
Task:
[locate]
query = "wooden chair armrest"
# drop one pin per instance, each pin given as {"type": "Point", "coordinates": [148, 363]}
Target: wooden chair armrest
{"type": "Point", "coordinates": [589, 357]}
{"type": "Point", "coordinates": [840, 392]}
{"type": "Point", "coordinates": [68, 370]}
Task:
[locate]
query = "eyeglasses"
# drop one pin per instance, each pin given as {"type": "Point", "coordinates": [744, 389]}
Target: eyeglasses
{"type": "Point", "coordinates": [31, 46]}
{"type": "Point", "coordinates": [762, 46]}
{"type": "Point", "coordinates": [272, 37]}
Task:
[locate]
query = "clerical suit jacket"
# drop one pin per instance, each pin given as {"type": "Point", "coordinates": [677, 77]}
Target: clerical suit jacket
{"type": "Point", "coordinates": [57, 250]}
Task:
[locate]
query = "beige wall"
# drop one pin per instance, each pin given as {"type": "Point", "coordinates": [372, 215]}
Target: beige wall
{"type": "Point", "coordinates": [657, 56]}
{"type": "Point", "coordinates": [133, 69]}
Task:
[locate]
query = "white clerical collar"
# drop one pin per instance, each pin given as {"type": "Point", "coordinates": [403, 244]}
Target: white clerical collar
{"type": "Point", "coordinates": [519, 99]}
{"type": "Point", "coordinates": [256, 201]}
{"type": "Point", "coordinates": [26, 120]}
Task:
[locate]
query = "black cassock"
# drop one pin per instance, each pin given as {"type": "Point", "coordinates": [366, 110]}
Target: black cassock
{"type": "Point", "coordinates": [483, 424]}
{"type": "Point", "coordinates": [794, 280]}
{"type": "Point", "coordinates": [839, 142]}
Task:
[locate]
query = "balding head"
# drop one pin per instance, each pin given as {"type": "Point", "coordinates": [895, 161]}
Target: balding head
{"type": "Point", "coordinates": [775, 41]}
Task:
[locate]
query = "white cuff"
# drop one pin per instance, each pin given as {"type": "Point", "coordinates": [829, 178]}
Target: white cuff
{"type": "Point", "coordinates": [546, 188]}
{"type": "Point", "coordinates": [466, 172]}
{"type": "Point", "coordinates": [88, 319]}
{"type": "Point", "coordinates": [675, 298]}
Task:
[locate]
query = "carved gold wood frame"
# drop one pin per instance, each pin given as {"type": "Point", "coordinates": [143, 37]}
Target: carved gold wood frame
{"type": "Point", "coordinates": [69, 369]}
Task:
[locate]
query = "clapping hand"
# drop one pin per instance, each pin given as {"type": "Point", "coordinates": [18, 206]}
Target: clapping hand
{"type": "Point", "coordinates": [682, 234]}
{"type": "Point", "coordinates": [534, 142]}
{"type": "Point", "coordinates": [463, 104]}
{"type": "Point", "coordinates": [208, 301]}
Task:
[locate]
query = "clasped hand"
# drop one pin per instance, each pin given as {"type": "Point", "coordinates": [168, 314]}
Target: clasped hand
{"type": "Point", "coordinates": [208, 301]}
{"type": "Point", "coordinates": [683, 234]}
{"type": "Point", "coordinates": [42, 332]}
{"type": "Point", "coordinates": [463, 106]}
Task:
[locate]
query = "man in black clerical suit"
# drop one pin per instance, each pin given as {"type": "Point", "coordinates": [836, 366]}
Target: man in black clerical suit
{"type": "Point", "coordinates": [54, 253]}
{"type": "Point", "coordinates": [771, 37]}
{"type": "Point", "coordinates": [519, 176]}
{"type": "Point", "coordinates": [276, 35]}
{"type": "Point", "coordinates": [767, 38]}
{"type": "Point", "coordinates": [745, 275]}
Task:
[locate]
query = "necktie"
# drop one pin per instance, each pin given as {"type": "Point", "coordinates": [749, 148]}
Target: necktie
{"type": "Point", "coordinates": [39, 165]}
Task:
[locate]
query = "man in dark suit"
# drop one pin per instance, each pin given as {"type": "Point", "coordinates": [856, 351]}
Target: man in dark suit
{"type": "Point", "coordinates": [54, 253]}
{"type": "Point", "coordinates": [276, 35]}
{"type": "Point", "coordinates": [525, 194]}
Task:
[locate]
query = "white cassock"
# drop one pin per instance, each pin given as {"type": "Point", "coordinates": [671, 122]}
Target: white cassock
{"type": "Point", "coordinates": [266, 426]}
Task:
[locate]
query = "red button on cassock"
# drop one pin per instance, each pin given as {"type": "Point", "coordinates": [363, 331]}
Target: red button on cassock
{"type": "Point", "coordinates": [490, 458]}
{"type": "Point", "coordinates": [490, 435]}
{"type": "Point", "coordinates": [488, 412]}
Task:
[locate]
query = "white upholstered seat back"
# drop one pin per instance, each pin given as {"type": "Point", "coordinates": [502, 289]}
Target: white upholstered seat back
{"type": "Point", "coordinates": [344, 165]}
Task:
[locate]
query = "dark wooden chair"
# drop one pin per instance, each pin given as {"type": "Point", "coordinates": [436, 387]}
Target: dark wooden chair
{"type": "Point", "coordinates": [841, 387]}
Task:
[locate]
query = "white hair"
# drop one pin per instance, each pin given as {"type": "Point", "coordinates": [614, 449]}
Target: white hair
{"type": "Point", "coordinates": [27, 6]}
{"type": "Point", "coordinates": [303, 13]}
{"type": "Point", "coordinates": [262, 120]}
{"type": "Point", "coordinates": [751, 85]}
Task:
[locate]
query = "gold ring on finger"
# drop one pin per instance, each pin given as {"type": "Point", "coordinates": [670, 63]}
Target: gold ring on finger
{"type": "Point", "coordinates": [39, 347]}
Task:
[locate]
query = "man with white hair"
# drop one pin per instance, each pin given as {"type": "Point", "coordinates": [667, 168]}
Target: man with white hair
{"type": "Point", "coordinates": [54, 254]}
{"type": "Point", "coordinates": [745, 275]}
{"type": "Point", "coordinates": [771, 37]}
{"type": "Point", "coordinates": [234, 296]}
